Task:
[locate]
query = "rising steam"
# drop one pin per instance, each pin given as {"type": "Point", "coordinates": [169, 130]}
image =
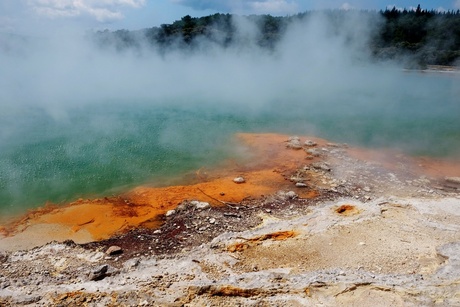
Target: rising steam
{"type": "Point", "coordinates": [69, 107]}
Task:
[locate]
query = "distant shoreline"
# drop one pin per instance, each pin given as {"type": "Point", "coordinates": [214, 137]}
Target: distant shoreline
{"type": "Point", "coordinates": [437, 69]}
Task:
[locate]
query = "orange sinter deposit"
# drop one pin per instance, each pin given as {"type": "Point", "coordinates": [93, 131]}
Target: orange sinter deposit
{"type": "Point", "coordinates": [266, 164]}
{"type": "Point", "coordinates": [264, 172]}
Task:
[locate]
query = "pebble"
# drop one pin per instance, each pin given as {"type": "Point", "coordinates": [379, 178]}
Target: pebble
{"type": "Point", "coordinates": [212, 220]}
{"type": "Point", "coordinates": [200, 204]}
{"type": "Point", "coordinates": [294, 143]}
{"type": "Point", "coordinates": [131, 263]}
{"type": "Point", "coordinates": [321, 165]}
{"type": "Point", "coordinates": [310, 143]}
{"type": "Point", "coordinates": [301, 185]}
{"type": "Point", "coordinates": [170, 212]}
{"type": "Point", "coordinates": [99, 272]}
{"type": "Point", "coordinates": [314, 152]}
{"type": "Point", "coordinates": [239, 180]}
{"type": "Point", "coordinates": [113, 250]}
{"type": "Point", "coordinates": [291, 194]}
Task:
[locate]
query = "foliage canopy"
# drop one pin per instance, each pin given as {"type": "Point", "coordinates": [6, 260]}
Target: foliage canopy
{"type": "Point", "coordinates": [427, 37]}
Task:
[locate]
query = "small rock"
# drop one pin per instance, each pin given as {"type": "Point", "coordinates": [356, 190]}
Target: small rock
{"type": "Point", "coordinates": [296, 179]}
{"type": "Point", "coordinates": [291, 195]}
{"type": "Point", "coordinates": [310, 143]}
{"type": "Point", "coordinates": [362, 243]}
{"type": "Point", "coordinates": [314, 152]}
{"type": "Point", "coordinates": [94, 257]}
{"type": "Point", "coordinates": [294, 143]}
{"type": "Point", "coordinates": [3, 257]}
{"type": "Point", "coordinates": [321, 165]}
{"type": "Point", "coordinates": [27, 299]}
{"type": "Point", "coordinates": [212, 220]}
{"type": "Point", "coordinates": [99, 273]}
{"type": "Point", "coordinates": [239, 180]}
{"type": "Point", "coordinates": [455, 180]}
{"type": "Point", "coordinates": [114, 250]}
{"type": "Point", "coordinates": [131, 263]}
{"type": "Point", "coordinates": [301, 185]}
{"type": "Point", "coordinates": [170, 212]}
{"type": "Point", "coordinates": [200, 204]}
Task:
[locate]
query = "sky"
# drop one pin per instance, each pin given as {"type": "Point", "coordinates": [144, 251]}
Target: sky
{"type": "Point", "coordinates": [37, 17]}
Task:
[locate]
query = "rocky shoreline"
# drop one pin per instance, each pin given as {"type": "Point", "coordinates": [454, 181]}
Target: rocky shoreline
{"type": "Point", "coordinates": [342, 231]}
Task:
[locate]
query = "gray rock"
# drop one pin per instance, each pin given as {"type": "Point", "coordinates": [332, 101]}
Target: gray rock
{"type": "Point", "coordinates": [99, 272]}
{"type": "Point", "coordinates": [314, 152]}
{"type": "Point", "coordinates": [321, 165]}
{"type": "Point", "coordinates": [301, 185]}
{"type": "Point", "coordinates": [3, 257]}
{"type": "Point", "coordinates": [294, 143]}
{"type": "Point", "coordinates": [170, 212]}
{"type": "Point", "coordinates": [310, 143]}
{"type": "Point", "coordinates": [27, 299]}
{"type": "Point", "coordinates": [239, 180]}
{"type": "Point", "coordinates": [297, 179]}
{"type": "Point", "coordinates": [286, 195]}
{"type": "Point", "coordinates": [131, 263]}
{"type": "Point", "coordinates": [455, 180]}
{"type": "Point", "coordinates": [200, 204]}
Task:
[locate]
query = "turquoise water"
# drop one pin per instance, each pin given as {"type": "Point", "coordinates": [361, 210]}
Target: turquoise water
{"type": "Point", "coordinates": [102, 148]}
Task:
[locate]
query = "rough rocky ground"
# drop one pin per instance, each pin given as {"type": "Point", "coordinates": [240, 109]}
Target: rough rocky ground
{"type": "Point", "coordinates": [374, 234]}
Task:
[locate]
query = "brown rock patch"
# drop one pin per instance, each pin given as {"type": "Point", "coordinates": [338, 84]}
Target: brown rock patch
{"type": "Point", "coordinates": [347, 210]}
{"type": "Point", "coordinates": [276, 236]}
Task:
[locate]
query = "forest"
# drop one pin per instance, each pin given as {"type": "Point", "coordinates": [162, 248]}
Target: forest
{"type": "Point", "coordinates": [426, 37]}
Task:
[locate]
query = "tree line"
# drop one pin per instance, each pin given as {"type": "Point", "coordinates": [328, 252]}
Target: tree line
{"type": "Point", "coordinates": [426, 37]}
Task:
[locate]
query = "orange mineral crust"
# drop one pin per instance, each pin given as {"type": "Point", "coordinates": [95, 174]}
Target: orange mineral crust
{"type": "Point", "coordinates": [266, 169]}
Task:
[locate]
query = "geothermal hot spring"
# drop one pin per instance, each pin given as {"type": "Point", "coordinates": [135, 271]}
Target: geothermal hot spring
{"type": "Point", "coordinates": [77, 121]}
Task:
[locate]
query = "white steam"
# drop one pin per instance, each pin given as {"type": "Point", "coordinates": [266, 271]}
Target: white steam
{"type": "Point", "coordinates": [70, 92]}
{"type": "Point", "coordinates": [69, 70]}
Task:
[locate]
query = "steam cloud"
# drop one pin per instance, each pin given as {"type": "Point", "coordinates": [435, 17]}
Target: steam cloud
{"type": "Point", "coordinates": [65, 71]}
{"type": "Point", "coordinates": [67, 87]}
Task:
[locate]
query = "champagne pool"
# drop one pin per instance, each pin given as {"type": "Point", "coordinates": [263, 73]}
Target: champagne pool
{"type": "Point", "coordinates": [103, 148]}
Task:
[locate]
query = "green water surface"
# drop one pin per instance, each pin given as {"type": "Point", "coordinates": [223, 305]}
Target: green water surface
{"type": "Point", "coordinates": [102, 148]}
